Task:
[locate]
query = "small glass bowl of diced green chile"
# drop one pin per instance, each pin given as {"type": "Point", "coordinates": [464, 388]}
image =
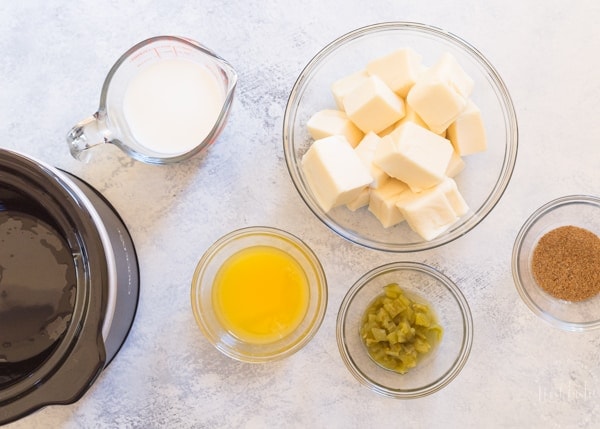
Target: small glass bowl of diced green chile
{"type": "Point", "coordinates": [404, 330]}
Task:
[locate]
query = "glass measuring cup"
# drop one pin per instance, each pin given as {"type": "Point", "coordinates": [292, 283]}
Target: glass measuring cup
{"type": "Point", "coordinates": [154, 103]}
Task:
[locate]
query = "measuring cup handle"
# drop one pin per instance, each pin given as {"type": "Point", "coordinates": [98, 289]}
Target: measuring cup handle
{"type": "Point", "coordinates": [86, 134]}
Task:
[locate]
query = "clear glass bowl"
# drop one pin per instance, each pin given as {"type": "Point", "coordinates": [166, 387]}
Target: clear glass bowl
{"type": "Point", "coordinates": [441, 365]}
{"type": "Point", "coordinates": [486, 175]}
{"type": "Point", "coordinates": [202, 290]}
{"type": "Point", "coordinates": [577, 210]}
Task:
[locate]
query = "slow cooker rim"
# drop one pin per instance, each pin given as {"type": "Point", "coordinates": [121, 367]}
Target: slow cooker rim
{"type": "Point", "coordinates": [109, 310]}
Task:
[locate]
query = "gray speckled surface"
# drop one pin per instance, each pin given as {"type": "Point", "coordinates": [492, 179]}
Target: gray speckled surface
{"type": "Point", "coordinates": [521, 373]}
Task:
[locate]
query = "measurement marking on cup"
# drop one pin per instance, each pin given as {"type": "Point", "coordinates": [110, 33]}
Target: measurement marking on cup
{"type": "Point", "coordinates": [141, 57]}
{"type": "Point", "coordinates": [181, 51]}
{"type": "Point", "coordinates": [165, 50]}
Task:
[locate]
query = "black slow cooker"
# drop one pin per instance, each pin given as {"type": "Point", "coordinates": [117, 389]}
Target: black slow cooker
{"type": "Point", "coordinates": [69, 285]}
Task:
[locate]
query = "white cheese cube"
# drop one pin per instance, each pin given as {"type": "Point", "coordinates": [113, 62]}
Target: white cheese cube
{"type": "Point", "coordinates": [360, 201]}
{"type": "Point", "coordinates": [433, 211]}
{"type": "Point", "coordinates": [391, 128]}
{"type": "Point", "coordinates": [455, 166]}
{"type": "Point", "coordinates": [456, 200]}
{"type": "Point", "coordinates": [373, 106]}
{"type": "Point", "coordinates": [467, 133]}
{"type": "Point", "coordinates": [366, 151]}
{"type": "Point", "coordinates": [440, 94]}
{"type": "Point", "coordinates": [399, 69]}
{"type": "Point", "coordinates": [411, 116]}
{"type": "Point", "coordinates": [342, 86]}
{"type": "Point", "coordinates": [436, 103]}
{"type": "Point", "coordinates": [449, 69]}
{"type": "Point", "coordinates": [383, 202]}
{"type": "Point", "coordinates": [414, 155]}
{"type": "Point", "coordinates": [330, 122]}
{"type": "Point", "coordinates": [429, 216]}
{"type": "Point", "coordinates": [334, 172]}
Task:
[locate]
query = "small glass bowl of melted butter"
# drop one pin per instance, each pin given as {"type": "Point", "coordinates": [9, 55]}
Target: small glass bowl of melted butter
{"type": "Point", "coordinates": [259, 294]}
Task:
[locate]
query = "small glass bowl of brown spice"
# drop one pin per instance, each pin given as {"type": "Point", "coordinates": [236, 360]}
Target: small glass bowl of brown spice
{"type": "Point", "coordinates": [556, 262]}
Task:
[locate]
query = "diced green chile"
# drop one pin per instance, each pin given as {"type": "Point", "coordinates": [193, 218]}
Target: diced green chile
{"type": "Point", "coordinates": [398, 331]}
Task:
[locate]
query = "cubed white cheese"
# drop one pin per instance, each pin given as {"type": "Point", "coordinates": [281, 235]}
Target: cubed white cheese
{"type": "Point", "coordinates": [414, 155]}
{"type": "Point", "coordinates": [433, 211]}
{"type": "Point", "coordinates": [455, 166]}
{"type": "Point", "coordinates": [342, 86]}
{"type": "Point", "coordinates": [399, 69]}
{"type": "Point", "coordinates": [455, 198]}
{"type": "Point", "coordinates": [360, 201]}
{"type": "Point", "coordinates": [330, 122]}
{"type": "Point", "coordinates": [467, 133]}
{"type": "Point", "coordinates": [366, 151]}
{"type": "Point", "coordinates": [373, 106]}
{"type": "Point", "coordinates": [436, 103]}
{"type": "Point", "coordinates": [391, 128]}
{"type": "Point", "coordinates": [334, 172]}
{"type": "Point", "coordinates": [440, 94]}
{"type": "Point", "coordinates": [449, 69]}
{"type": "Point", "coordinates": [411, 116]}
{"type": "Point", "coordinates": [383, 200]}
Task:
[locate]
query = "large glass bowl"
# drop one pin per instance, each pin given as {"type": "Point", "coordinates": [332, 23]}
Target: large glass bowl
{"type": "Point", "coordinates": [486, 175]}
{"type": "Point", "coordinates": [582, 211]}
{"type": "Point", "coordinates": [443, 363]}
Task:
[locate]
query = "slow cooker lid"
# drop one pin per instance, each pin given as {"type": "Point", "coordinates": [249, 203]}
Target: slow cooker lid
{"type": "Point", "coordinates": [38, 285]}
{"type": "Point", "coordinates": [40, 210]}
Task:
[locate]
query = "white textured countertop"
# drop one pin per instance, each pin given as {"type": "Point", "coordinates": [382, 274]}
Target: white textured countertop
{"type": "Point", "coordinates": [521, 373]}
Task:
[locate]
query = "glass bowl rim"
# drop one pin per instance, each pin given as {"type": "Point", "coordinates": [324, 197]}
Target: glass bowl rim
{"type": "Point", "coordinates": [535, 217]}
{"type": "Point", "coordinates": [506, 104]}
{"type": "Point", "coordinates": [322, 293]}
{"type": "Point", "coordinates": [467, 329]}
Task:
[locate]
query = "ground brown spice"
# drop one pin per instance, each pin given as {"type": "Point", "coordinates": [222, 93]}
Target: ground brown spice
{"type": "Point", "coordinates": [566, 263]}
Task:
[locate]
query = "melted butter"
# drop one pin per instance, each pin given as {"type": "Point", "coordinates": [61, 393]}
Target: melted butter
{"type": "Point", "coordinates": [261, 294]}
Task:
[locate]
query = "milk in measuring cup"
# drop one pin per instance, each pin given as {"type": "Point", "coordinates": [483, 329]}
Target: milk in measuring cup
{"type": "Point", "coordinates": [172, 105]}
